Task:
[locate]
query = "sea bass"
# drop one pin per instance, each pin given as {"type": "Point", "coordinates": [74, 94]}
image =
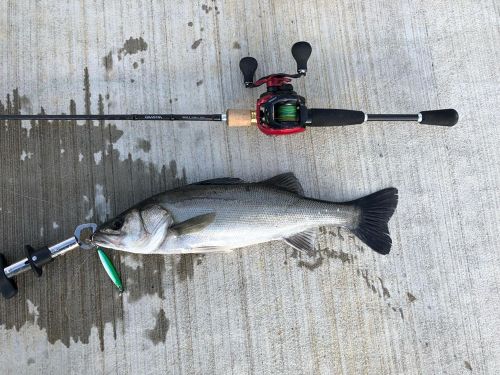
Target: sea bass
{"type": "Point", "coordinates": [227, 213]}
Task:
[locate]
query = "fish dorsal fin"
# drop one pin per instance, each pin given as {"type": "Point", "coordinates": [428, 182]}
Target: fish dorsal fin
{"type": "Point", "coordinates": [195, 224]}
{"type": "Point", "coordinates": [221, 181]}
{"type": "Point", "coordinates": [304, 241]}
{"type": "Point", "coordinates": [286, 181]}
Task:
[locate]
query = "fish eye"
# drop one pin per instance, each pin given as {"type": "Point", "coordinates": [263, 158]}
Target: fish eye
{"type": "Point", "coordinates": [117, 223]}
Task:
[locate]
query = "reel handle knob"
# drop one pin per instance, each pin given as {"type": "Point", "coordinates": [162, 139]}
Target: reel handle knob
{"type": "Point", "coordinates": [442, 117]}
{"type": "Point", "coordinates": [248, 66]}
{"type": "Point", "coordinates": [301, 51]}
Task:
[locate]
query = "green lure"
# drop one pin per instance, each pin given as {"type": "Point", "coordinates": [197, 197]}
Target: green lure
{"type": "Point", "coordinates": [110, 269]}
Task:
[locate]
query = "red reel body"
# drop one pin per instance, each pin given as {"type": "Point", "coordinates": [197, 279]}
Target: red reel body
{"type": "Point", "coordinates": [269, 108]}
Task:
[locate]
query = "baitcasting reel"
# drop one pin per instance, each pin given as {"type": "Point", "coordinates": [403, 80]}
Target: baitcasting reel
{"type": "Point", "coordinates": [280, 110]}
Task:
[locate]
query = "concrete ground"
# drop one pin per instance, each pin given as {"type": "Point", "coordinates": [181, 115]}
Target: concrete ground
{"type": "Point", "coordinates": [429, 307]}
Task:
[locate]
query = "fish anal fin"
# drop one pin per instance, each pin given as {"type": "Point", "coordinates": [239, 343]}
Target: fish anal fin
{"type": "Point", "coordinates": [285, 181]}
{"type": "Point", "coordinates": [195, 224]}
{"type": "Point", "coordinates": [304, 241]}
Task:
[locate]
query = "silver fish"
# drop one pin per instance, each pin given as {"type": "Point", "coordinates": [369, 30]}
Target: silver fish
{"type": "Point", "coordinates": [227, 213]}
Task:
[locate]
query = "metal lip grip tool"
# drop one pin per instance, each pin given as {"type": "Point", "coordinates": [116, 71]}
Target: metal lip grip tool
{"type": "Point", "coordinates": [36, 259]}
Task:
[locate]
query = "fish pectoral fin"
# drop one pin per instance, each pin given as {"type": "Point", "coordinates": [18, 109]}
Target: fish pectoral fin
{"type": "Point", "coordinates": [285, 181]}
{"type": "Point", "coordinates": [195, 224]}
{"type": "Point", "coordinates": [304, 241]}
{"type": "Point", "coordinates": [221, 181]}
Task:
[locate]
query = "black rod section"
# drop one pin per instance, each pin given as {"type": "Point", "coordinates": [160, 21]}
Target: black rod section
{"type": "Point", "coordinates": [131, 117]}
{"type": "Point", "coordinates": [391, 117]}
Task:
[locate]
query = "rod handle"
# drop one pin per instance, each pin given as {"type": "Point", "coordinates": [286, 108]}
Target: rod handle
{"type": "Point", "coordinates": [334, 117]}
{"type": "Point", "coordinates": [240, 117]}
{"type": "Point", "coordinates": [441, 117]}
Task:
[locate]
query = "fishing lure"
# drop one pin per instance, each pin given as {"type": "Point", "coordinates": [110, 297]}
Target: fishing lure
{"type": "Point", "coordinates": [110, 269]}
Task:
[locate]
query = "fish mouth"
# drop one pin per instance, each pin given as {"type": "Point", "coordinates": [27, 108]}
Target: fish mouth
{"type": "Point", "coordinates": [105, 239]}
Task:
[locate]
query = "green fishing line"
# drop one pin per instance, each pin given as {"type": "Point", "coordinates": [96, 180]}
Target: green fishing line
{"type": "Point", "coordinates": [110, 269]}
{"type": "Point", "coordinates": [287, 112]}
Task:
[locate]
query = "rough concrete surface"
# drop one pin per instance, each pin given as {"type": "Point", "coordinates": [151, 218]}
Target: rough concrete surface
{"type": "Point", "coordinates": [430, 307]}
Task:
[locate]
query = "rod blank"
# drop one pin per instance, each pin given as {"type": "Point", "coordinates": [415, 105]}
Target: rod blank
{"type": "Point", "coordinates": [391, 117]}
{"type": "Point", "coordinates": [131, 117]}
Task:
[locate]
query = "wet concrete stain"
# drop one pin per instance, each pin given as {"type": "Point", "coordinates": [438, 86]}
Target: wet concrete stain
{"type": "Point", "coordinates": [144, 145]}
{"type": "Point", "coordinates": [317, 257]}
{"type": "Point", "coordinates": [159, 333]}
{"type": "Point", "coordinates": [236, 45]}
{"type": "Point", "coordinates": [411, 297]}
{"type": "Point", "coordinates": [199, 259]}
{"type": "Point", "coordinates": [311, 266]}
{"type": "Point", "coordinates": [185, 266]}
{"type": "Point", "coordinates": [74, 295]}
{"type": "Point", "coordinates": [199, 83]}
{"type": "Point", "coordinates": [385, 294]}
{"type": "Point", "coordinates": [385, 291]}
{"type": "Point", "coordinates": [132, 46]}
{"type": "Point", "coordinates": [206, 8]}
{"type": "Point", "coordinates": [467, 365]}
{"type": "Point", "coordinates": [400, 310]}
{"type": "Point", "coordinates": [368, 282]}
{"type": "Point", "coordinates": [196, 43]}
{"type": "Point", "coordinates": [340, 255]}
{"type": "Point", "coordinates": [25, 104]}
{"type": "Point", "coordinates": [107, 61]}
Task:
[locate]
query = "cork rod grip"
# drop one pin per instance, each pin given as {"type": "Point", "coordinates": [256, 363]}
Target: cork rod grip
{"type": "Point", "coordinates": [240, 117]}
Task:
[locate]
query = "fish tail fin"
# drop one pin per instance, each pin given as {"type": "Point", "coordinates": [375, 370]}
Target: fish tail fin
{"type": "Point", "coordinates": [376, 210]}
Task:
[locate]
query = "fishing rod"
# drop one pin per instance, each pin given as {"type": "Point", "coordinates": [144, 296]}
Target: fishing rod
{"type": "Point", "coordinates": [278, 111]}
